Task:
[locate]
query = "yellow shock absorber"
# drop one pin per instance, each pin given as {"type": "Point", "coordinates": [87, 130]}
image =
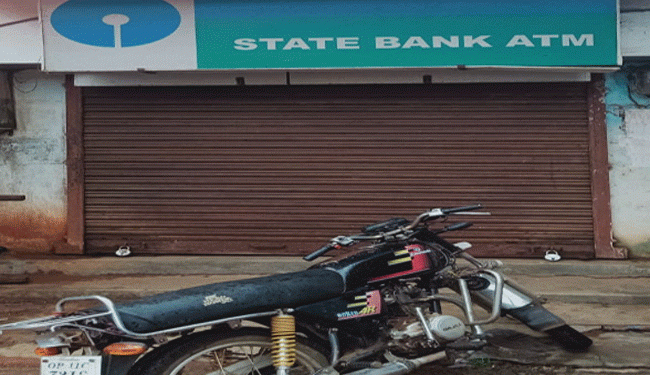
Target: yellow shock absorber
{"type": "Point", "coordinates": [283, 336]}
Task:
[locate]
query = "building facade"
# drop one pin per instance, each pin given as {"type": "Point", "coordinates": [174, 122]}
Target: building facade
{"type": "Point", "coordinates": [305, 123]}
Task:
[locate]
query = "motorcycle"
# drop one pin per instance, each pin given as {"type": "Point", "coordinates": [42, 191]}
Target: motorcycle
{"type": "Point", "coordinates": [377, 311]}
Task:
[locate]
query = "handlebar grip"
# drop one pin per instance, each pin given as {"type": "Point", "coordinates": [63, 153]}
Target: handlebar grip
{"type": "Point", "coordinates": [458, 226]}
{"type": "Point", "coordinates": [461, 209]}
{"type": "Point", "coordinates": [318, 252]}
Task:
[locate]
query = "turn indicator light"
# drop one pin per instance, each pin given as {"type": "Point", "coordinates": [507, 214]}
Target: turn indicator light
{"type": "Point", "coordinates": [125, 348]}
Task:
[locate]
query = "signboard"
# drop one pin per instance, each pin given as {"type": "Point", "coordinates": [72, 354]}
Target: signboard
{"type": "Point", "coordinates": [118, 35]}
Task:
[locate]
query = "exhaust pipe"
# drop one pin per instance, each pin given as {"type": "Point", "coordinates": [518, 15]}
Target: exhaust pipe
{"type": "Point", "coordinates": [399, 366]}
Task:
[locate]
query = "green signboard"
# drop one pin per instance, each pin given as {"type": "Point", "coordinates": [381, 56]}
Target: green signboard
{"type": "Point", "coordinates": [184, 35]}
{"type": "Point", "coordinates": [295, 34]}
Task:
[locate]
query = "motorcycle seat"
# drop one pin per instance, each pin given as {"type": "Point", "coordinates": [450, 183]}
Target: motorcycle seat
{"type": "Point", "coordinates": [229, 299]}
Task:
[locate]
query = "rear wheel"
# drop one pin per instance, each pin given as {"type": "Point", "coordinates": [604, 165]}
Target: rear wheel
{"type": "Point", "coordinates": [241, 352]}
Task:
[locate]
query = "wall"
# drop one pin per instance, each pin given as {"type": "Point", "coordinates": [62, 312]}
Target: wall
{"type": "Point", "coordinates": [628, 123]}
{"type": "Point", "coordinates": [20, 41]}
{"type": "Point", "coordinates": [628, 133]}
{"type": "Point", "coordinates": [32, 160]}
{"type": "Point", "coordinates": [32, 163]}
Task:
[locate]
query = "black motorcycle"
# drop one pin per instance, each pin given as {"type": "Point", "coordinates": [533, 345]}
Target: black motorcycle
{"type": "Point", "coordinates": [375, 312]}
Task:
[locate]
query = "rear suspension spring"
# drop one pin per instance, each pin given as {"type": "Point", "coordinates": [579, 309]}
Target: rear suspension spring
{"type": "Point", "coordinates": [283, 337]}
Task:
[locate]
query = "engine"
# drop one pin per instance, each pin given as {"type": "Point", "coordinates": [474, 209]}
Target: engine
{"type": "Point", "coordinates": [408, 335]}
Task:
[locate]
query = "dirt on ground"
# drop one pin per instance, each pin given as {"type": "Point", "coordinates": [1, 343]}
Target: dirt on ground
{"type": "Point", "coordinates": [30, 366]}
{"type": "Point", "coordinates": [23, 362]}
{"type": "Point", "coordinates": [494, 368]}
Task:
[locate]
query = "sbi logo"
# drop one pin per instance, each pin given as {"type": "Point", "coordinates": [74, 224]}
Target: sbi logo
{"type": "Point", "coordinates": [115, 23]}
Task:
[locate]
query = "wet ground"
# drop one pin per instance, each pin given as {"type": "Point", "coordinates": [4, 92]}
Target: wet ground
{"type": "Point", "coordinates": [507, 368]}
{"type": "Point", "coordinates": [620, 348]}
{"type": "Point", "coordinates": [523, 354]}
{"type": "Point", "coordinates": [30, 366]}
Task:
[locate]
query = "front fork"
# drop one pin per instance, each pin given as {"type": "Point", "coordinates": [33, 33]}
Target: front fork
{"type": "Point", "coordinates": [498, 292]}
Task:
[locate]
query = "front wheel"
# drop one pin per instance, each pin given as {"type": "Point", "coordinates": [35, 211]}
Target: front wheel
{"type": "Point", "coordinates": [240, 352]}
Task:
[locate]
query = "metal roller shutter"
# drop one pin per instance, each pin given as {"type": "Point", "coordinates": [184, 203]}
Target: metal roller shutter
{"type": "Point", "coordinates": [279, 170]}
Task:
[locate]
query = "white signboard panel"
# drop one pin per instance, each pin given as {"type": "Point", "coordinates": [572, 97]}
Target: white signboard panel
{"type": "Point", "coordinates": [118, 35]}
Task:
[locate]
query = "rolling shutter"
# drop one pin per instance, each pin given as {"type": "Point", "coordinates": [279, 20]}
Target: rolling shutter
{"type": "Point", "coordinates": [279, 170]}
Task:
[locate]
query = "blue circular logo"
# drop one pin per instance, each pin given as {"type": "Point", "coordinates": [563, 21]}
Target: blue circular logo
{"type": "Point", "coordinates": [115, 23]}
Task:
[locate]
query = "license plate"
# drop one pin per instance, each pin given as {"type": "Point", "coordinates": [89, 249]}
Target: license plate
{"type": "Point", "coordinates": [75, 365]}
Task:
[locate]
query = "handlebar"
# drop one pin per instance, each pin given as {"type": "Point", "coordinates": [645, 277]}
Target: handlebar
{"type": "Point", "coordinates": [457, 226]}
{"type": "Point", "coordinates": [435, 213]}
{"type": "Point", "coordinates": [318, 252]}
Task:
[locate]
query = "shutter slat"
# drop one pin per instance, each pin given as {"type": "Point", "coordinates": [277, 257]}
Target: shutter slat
{"type": "Point", "coordinates": [282, 169]}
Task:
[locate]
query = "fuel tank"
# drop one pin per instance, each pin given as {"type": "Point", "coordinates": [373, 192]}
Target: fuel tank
{"type": "Point", "coordinates": [388, 261]}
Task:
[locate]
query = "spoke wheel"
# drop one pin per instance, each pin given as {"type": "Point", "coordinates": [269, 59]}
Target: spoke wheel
{"type": "Point", "coordinates": [237, 353]}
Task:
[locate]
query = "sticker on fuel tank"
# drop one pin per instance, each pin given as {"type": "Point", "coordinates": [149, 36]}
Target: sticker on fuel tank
{"type": "Point", "coordinates": [407, 261]}
{"type": "Point", "coordinates": [363, 305]}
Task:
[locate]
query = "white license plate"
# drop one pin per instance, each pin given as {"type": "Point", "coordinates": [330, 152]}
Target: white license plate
{"type": "Point", "coordinates": [76, 365]}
